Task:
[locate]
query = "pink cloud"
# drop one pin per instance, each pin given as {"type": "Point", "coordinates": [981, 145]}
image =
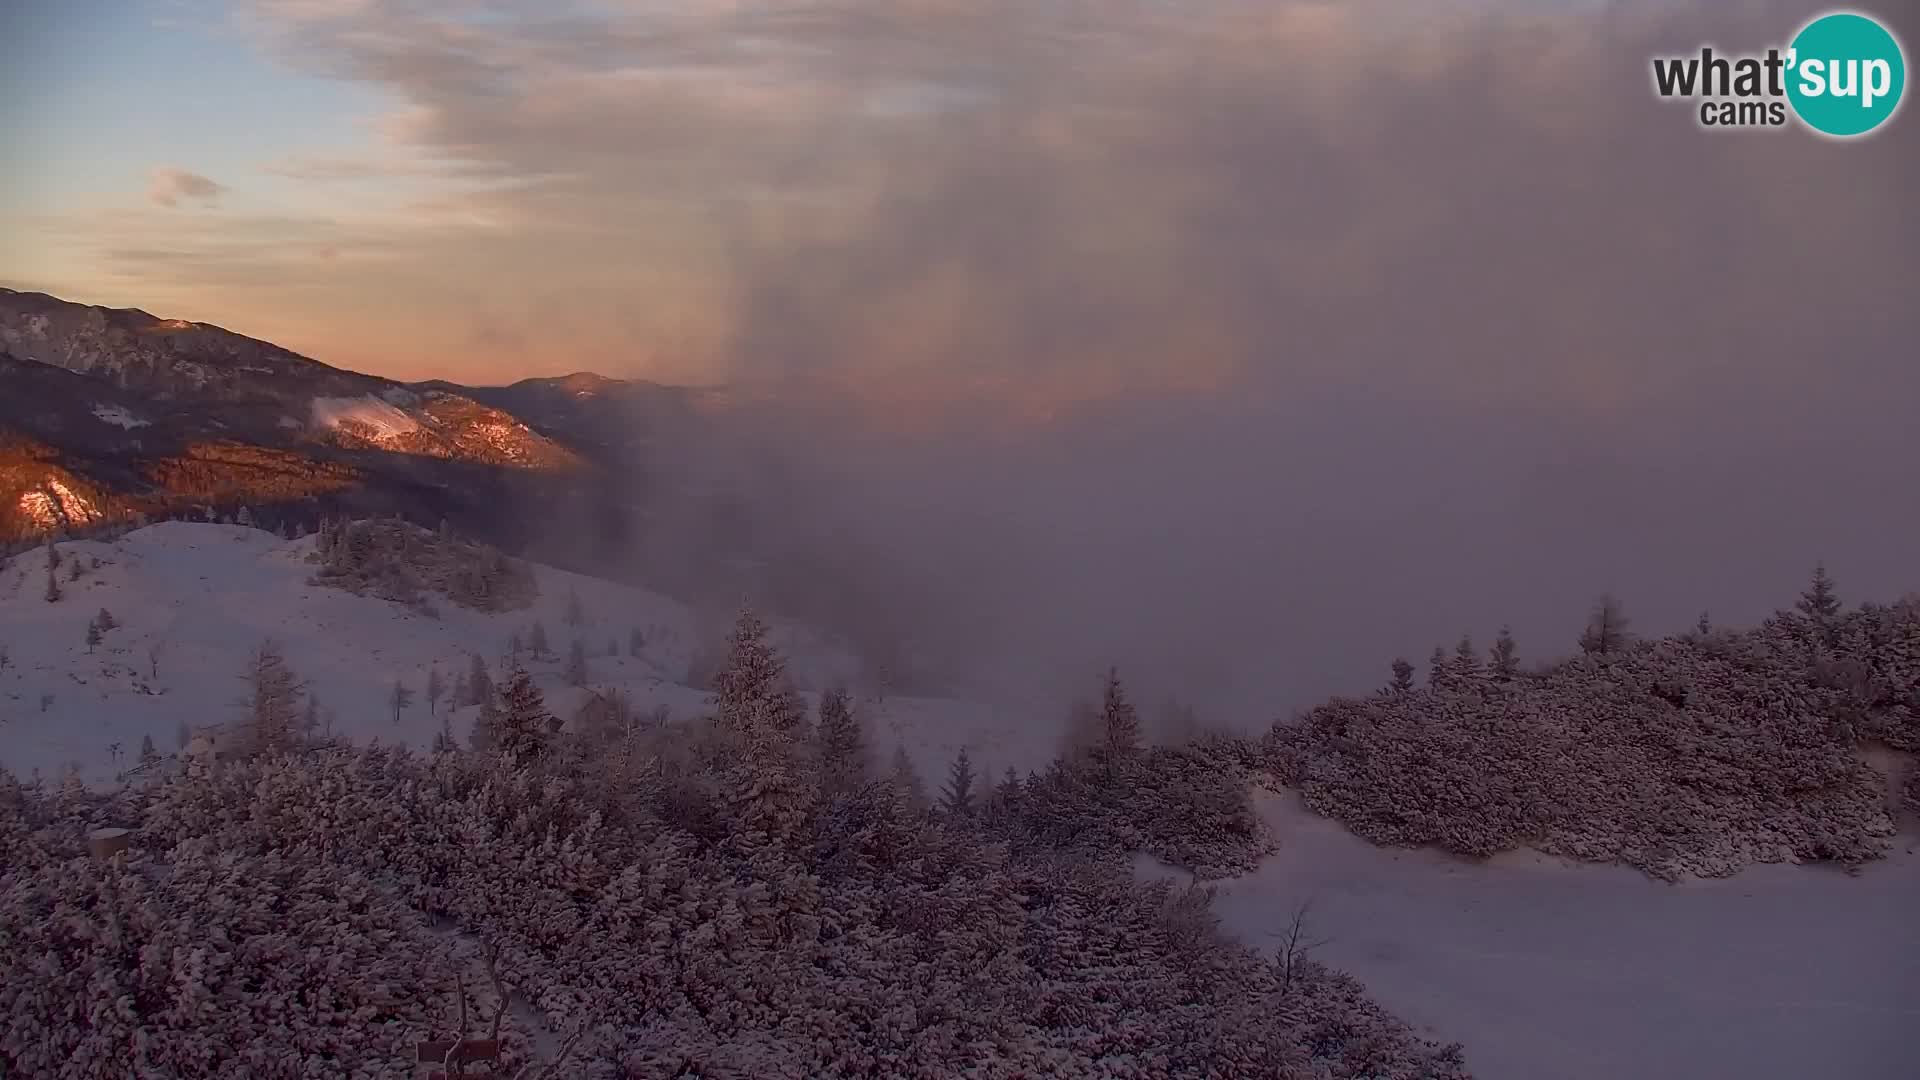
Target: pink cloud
{"type": "Point", "coordinates": [167, 186]}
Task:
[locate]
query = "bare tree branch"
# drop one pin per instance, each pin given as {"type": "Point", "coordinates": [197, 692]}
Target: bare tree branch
{"type": "Point", "coordinates": [1295, 946]}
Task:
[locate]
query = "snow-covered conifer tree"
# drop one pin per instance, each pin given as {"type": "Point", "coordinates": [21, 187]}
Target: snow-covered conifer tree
{"type": "Point", "coordinates": [443, 741]}
{"type": "Point", "coordinates": [576, 615]}
{"type": "Point", "coordinates": [537, 640]}
{"type": "Point", "coordinates": [906, 782]}
{"type": "Point", "coordinates": [1402, 676]}
{"type": "Point", "coordinates": [399, 698]}
{"type": "Point", "coordinates": [577, 673]}
{"type": "Point", "coordinates": [957, 797]}
{"type": "Point", "coordinates": [842, 746]}
{"type": "Point", "coordinates": [270, 701]}
{"type": "Point", "coordinates": [1606, 630]}
{"type": "Point", "coordinates": [525, 725]}
{"type": "Point", "coordinates": [1119, 722]}
{"type": "Point", "coordinates": [1506, 656]}
{"type": "Point", "coordinates": [1466, 660]}
{"type": "Point", "coordinates": [1820, 601]}
{"type": "Point", "coordinates": [435, 688]}
{"type": "Point", "coordinates": [479, 683]}
{"type": "Point", "coordinates": [105, 621]}
{"type": "Point", "coordinates": [1438, 673]}
{"type": "Point", "coordinates": [93, 635]}
{"type": "Point", "coordinates": [748, 690]}
{"type": "Point", "coordinates": [485, 735]}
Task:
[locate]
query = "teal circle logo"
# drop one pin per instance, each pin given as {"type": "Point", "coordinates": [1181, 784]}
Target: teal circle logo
{"type": "Point", "coordinates": [1845, 74]}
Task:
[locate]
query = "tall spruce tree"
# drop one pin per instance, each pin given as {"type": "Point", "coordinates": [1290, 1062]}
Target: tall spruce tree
{"type": "Point", "coordinates": [524, 727]}
{"type": "Point", "coordinates": [1119, 721]}
{"type": "Point", "coordinates": [479, 682]}
{"type": "Point", "coordinates": [1606, 631]}
{"type": "Point", "coordinates": [842, 746]}
{"type": "Point", "coordinates": [271, 702]}
{"type": "Point", "coordinates": [1466, 660]}
{"type": "Point", "coordinates": [907, 787]}
{"type": "Point", "coordinates": [1505, 656]}
{"type": "Point", "coordinates": [1820, 601]}
{"type": "Point", "coordinates": [749, 689]}
{"type": "Point", "coordinates": [1402, 681]}
{"type": "Point", "coordinates": [957, 797]}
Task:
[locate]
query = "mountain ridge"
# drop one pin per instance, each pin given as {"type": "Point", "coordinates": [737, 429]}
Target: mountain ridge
{"type": "Point", "coordinates": [139, 393]}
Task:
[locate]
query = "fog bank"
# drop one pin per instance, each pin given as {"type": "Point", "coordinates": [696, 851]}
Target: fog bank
{"type": "Point", "coordinates": [1252, 351]}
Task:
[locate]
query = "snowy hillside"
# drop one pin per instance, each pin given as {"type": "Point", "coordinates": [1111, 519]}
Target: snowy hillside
{"type": "Point", "coordinates": [191, 601]}
{"type": "Point", "coordinates": [380, 418]}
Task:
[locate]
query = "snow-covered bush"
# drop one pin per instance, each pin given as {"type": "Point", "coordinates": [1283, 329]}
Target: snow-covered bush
{"type": "Point", "coordinates": [276, 918]}
{"type": "Point", "coordinates": [200, 958]}
{"type": "Point", "coordinates": [1691, 755]}
{"type": "Point", "coordinates": [397, 561]}
{"type": "Point", "coordinates": [1187, 806]}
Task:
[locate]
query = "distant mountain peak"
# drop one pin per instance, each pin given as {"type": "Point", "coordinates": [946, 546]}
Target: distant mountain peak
{"type": "Point", "coordinates": [119, 398]}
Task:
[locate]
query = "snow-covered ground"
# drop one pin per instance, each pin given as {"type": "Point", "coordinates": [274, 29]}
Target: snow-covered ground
{"type": "Point", "coordinates": [1548, 970]}
{"type": "Point", "coordinates": [206, 595]}
{"type": "Point", "coordinates": [118, 416]}
{"type": "Point", "coordinates": [380, 416]}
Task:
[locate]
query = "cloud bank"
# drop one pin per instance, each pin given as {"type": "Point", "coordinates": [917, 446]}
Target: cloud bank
{"type": "Point", "coordinates": [1246, 344]}
{"type": "Point", "coordinates": [168, 186]}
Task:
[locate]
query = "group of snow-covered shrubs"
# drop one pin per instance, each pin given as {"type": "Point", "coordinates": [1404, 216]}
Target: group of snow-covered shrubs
{"type": "Point", "coordinates": [1696, 754]}
{"type": "Point", "coordinates": [743, 895]}
{"type": "Point", "coordinates": [398, 561]}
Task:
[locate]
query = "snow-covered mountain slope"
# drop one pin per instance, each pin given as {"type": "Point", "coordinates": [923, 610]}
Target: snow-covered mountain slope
{"type": "Point", "coordinates": [192, 601]}
{"type": "Point", "coordinates": [134, 405]}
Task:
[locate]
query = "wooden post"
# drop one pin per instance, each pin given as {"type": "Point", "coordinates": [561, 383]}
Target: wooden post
{"type": "Point", "coordinates": [106, 843]}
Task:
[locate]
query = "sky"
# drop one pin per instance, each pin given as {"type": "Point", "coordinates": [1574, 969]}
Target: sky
{"type": "Point", "coordinates": [482, 190]}
{"type": "Point", "coordinates": [1434, 307]}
